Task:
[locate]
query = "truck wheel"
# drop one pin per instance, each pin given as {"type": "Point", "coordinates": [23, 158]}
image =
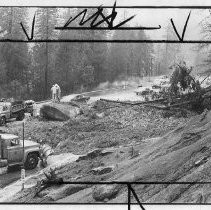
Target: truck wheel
{"type": "Point", "coordinates": [2, 121]}
{"type": "Point", "coordinates": [31, 161]}
{"type": "Point", "coordinates": [20, 116]}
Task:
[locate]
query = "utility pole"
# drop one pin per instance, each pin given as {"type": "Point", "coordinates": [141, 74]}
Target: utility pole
{"type": "Point", "coordinates": [46, 52]}
{"type": "Point", "coordinates": [23, 169]}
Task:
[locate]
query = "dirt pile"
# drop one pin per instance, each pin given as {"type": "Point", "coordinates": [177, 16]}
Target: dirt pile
{"type": "Point", "coordinates": [102, 126]}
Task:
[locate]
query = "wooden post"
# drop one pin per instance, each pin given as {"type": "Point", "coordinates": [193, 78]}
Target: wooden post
{"type": "Point", "coordinates": [1, 153]}
{"type": "Point", "coordinates": [22, 169]}
{"type": "Point", "coordinates": [23, 144]}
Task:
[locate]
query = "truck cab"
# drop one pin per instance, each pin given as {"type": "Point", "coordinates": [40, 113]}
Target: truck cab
{"type": "Point", "coordinates": [9, 110]}
{"type": "Point", "coordinates": [12, 152]}
{"type": "Point", "coordinates": [4, 112]}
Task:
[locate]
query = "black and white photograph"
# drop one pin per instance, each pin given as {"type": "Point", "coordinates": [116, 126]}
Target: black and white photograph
{"type": "Point", "coordinates": [105, 102]}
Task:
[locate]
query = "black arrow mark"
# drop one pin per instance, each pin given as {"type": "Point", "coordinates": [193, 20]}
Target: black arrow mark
{"type": "Point", "coordinates": [130, 189]}
{"type": "Point", "coordinates": [32, 31]}
{"type": "Point", "coordinates": [184, 29]}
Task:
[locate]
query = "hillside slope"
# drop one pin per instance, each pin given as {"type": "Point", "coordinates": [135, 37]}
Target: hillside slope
{"type": "Point", "coordinates": [181, 155]}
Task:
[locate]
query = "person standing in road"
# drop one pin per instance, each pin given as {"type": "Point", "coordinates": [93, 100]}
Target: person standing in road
{"type": "Point", "coordinates": [58, 93]}
{"type": "Point", "coordinates": [53, 91]}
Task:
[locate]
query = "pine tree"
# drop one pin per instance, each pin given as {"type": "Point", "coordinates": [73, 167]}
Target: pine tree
{"type": "Point", "coordinates": [75, 58]}
{"type": "Point", "coordinates": [15, 56]}
{"type": "Point", "coordinates": [129, 59]}
{"type": "Point", "coordinates": [43, 54]}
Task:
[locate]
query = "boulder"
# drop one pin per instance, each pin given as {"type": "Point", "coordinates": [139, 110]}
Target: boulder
{"type": "Point", "coordinates": [102, 170]}
{"type": "Point", "coordinates": [81, 98]}
{"type": "Point", "coordinates": [65, 191]}
{"type": "Point", "coordinates": [90, 155]}
{"type": "Point", "coordinates": [106, 192]}
{"type": "Point", "coordinates": [94, 153]}
{"type": "Point", "coordinates": [59, 112]}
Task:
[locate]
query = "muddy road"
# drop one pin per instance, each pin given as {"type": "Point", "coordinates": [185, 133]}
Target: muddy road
{"type": "Point", "coordinates": [13, 175]}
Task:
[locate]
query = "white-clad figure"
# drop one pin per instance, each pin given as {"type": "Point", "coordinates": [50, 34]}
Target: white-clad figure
{"type": "Point", "coordinates": [53, 91]}
{"type": "Point", "coordinates": [58, 93]}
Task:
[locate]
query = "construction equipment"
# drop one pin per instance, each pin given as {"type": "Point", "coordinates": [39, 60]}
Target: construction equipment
{"type": "Point", "coordinates": [29, 107]}
{"type": "Point", "coordinates": [46, 151]}
{"type": "Point", "coordinates": [10, 110]}
{"type": "Point", "coordinates": [12, 152]}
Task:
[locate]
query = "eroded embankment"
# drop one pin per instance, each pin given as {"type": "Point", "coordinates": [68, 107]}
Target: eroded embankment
{"type": "Point", "coordinates": [180, 155]}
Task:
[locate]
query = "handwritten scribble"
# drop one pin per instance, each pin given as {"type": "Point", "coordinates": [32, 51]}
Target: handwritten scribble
{"type": "Point", "coordinates": [98, 20]}
{"type": "Point", "coordinates": [108, 19]}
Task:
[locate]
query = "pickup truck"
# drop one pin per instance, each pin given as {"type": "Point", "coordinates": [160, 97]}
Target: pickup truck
{"type": "Point", "coordinates": [11, 152]}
